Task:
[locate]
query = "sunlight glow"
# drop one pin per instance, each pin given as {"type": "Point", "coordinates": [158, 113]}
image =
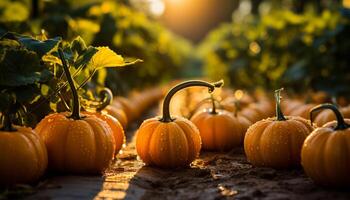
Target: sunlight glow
{"type": "Point", "coordinates": [175, 1]}
{"type": "Point", "coordinates": [346, 3]}
{"type": "Point", "coordinates": [156, 7]}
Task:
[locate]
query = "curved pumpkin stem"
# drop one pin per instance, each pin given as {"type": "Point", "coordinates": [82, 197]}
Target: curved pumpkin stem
{"type": "Point", "coordinates": [166, 113]}
{"type": "Point", "coordinates": [76, 103]}
{"type": "Point", "coordinates": [279, 113]}
{"type": "Point", "coordinates": [341, 124]}
{"type": "Point", "coordinates": [106, 96]}
{"type": "Point", "coordinates": [201, 103]}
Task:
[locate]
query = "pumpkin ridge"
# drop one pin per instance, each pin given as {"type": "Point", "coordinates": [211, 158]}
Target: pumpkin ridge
{"type": "Point", "coordinates": [170, 144]}
{"type": "Point", "coordinates": [98, 131]}
{"type": "Point", "coordinates": [263, 134]}
{"type": "Point", "coordinates": [325, 161]}
{"type": "Point", "coordinates": [28, 143]}
{"type": "Point", "coordinates": [189, 138]}
{"type": "Point", "coordinates": [187, 142]}
{"type": "Point", "coordinates": [149, 141]}
{"type": "Point", "coordinates": [37, 154]}
{"type": "Point", "coordinates": [151, 156]}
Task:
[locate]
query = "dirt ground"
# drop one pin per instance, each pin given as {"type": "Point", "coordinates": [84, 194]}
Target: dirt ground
{"type": "Point", "coordinates": [212, 176]}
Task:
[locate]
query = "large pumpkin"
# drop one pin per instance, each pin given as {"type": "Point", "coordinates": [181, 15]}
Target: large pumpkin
{"type": "Point", "coordinates": [170, 142]}
{"type": "Point", "coordinates": [219, 129]}
{"type": "Point", "coordinates": [23, 156]}
{"type": "Point", "coordinates": [276, 142]}
{"type": "Point", "coordinates": [75, 143]}
{"type": "Point", "coordinates": [325, 154]}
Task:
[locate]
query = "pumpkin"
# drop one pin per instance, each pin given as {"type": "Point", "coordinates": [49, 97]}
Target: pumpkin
{"type": "Point", "coordinates": [106, 96]}
{"type": "Point", "coordinates": [303, 110]}
{"type": "Point", "coordinates": [327, 116]}
{"type": "Point", "coordinates": [170, 142]}
{"type": "Point", "coordinates": [276, 142]}
{"type": "Point", "coordinates": [289, 105]}
{"type": "Point", "coordinates": [117, 113]}
{"type": "Point", "coordinates": [219, 129]}
{"type": "Point", "coordinates": [325, 155]}
{"type": "Point", "coordinates": [23, 156]}
{"type": "Point", "coordinates": [75, 143]}
{"type": "Point", "coordinates": [129, 108]}
{"type": "Point", "coordinates": [257, 111]}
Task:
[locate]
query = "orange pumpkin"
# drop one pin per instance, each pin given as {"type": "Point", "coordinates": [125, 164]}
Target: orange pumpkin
{"type": "Point", "coordinates": [129, 108]}
{"type": "Point", "coordinates": [303, 110]}
{"type": "Point", "coordinates": [170, 142]}
{"type": "Point", "coordinates": [76, 144]}
{"type": "Point", "coordinates": [276, 142]}
{"type": "Point", "coordinates": [327, 116]}
{"type": "Point", "coordinates": [289, 105]}
{"type": "Point", "coordinates": [219, 129]}
{"type": "Point", "coordinates": [117, 129]}
{"type": "Point", "coordinates": [117, 113]}
{"type": "Point", "coordinates": [23, 156]}
{"type": "Point", "coordinates": [325, 155]}
{"type": "Point", "coordinates": [257, 111]}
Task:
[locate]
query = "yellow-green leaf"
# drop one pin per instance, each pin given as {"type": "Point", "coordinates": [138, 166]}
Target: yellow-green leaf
{"type": "Point", "coordinates": [105, 57]}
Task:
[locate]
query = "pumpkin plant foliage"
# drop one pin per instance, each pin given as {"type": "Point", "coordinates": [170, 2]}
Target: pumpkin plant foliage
{"type": "Point", "coordinates": [32, 82]}
{"type": "Point", "coordinates": [22, 70]}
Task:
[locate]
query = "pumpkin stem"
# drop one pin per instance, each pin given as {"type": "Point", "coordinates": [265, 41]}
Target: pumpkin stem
{"type": "Point", "coordinates": [237, 107]}
{"type": "Point", "coordinates": [166, 113]}
{"type": "Point", "coordinates": [279, 113]}
{"type": "Point", "coordinates": [106, 96]}
{"type": "Point", "coordinates": [76, 103]}
{"type": "Point", "coordinates": [341, 124]}
{"type": "Point", "coordinates": [213, 109]}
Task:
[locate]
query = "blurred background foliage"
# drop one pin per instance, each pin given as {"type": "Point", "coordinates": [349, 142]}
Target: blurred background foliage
{"type": "Point", "coordinates": [280, 47]}
{"type": "Point", "coordinates": [302, 45]}
{"type": "Point", "coordinates": [105, 23]}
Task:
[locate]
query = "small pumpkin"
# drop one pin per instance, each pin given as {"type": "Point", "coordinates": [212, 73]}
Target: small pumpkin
{"type": "Point", "coordinates": [23, 156]}
{"type": "Point", "coordinates": [113, 122]}
{"type": "Point", "coordinates": [276, 142]}
{"type": "Point", "coordinates": [129, 108]}
{"type": "Point", "coordinates": [325, 155]}
{"type": "Point", "coordinates": [170, 142]}
{"type": "Point", "coordinates": [303, 110]}
{"type": "Point", "coordinates": [219, 129]}
{"type": "Point", "coordinates": [327, 116]}
{"type": "Point", "coordinates": [289, 105]}
{"type": "Point", "coordinates": [75, 143]}
{"type": "Point", "coordinates": [257, 111]}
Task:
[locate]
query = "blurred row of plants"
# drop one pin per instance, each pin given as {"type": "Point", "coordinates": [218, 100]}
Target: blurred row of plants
{"type": "Point", "coordinates": [104, 23]}
{"type": "Point", "coordinates": [299, 50]}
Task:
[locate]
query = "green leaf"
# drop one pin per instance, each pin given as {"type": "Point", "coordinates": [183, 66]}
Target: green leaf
{"type": "Point", "coordinates": [19, 67]}
{"type": "Point", "coordinates": [40, 47]}
{"type": "Point", "coordinates": [78, 45]}
{"type": "Point", "coordinates": [85, 58]}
